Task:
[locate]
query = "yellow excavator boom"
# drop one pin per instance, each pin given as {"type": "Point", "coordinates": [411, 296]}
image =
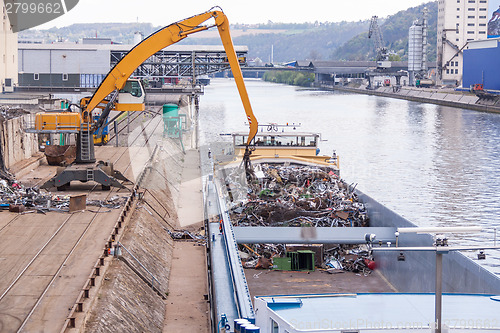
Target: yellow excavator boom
{"type": "Point", "coordinates": [173, 33]}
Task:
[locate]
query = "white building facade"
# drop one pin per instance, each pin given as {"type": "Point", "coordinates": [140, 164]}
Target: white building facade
{"type": "Point", "coordinates": [8, 52]}
{"type": "Point", "coordinates": [459, 22]}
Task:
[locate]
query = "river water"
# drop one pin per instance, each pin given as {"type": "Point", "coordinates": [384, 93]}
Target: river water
{"type": "Point", "coordinates": [434, 165]}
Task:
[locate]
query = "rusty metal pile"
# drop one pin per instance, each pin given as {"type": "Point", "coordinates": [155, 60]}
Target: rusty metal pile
{"type": "Point", "coordinates": [19, 198]}
{"type": "Point", "coordinates": [260, 255]}
{"type": "Point", "coordinates": [349, 258]}
{"type": "Point", "coordinates": [186, 235]}
{"type": "Point", "coordinates": [299, 196]}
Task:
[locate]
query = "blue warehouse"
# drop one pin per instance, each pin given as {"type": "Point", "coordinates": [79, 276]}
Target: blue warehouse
{"type": "Point", "coordinates": [481, 64]}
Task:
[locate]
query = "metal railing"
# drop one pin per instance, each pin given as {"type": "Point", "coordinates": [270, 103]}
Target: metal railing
{"type": "Point", "coordinates": [243, 298]}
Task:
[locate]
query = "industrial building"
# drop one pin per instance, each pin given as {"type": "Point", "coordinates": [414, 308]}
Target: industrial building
{"type": "Point", "coordinates": [481, 64]}
{"type": "Point", "coordinates": [84, 65]}
{"type": "Point", "coordinates": [459, 22]}
{"type": "Point", "coordinates": [8, 52]}
{"type": "Point", "coordinates": [63, 65]}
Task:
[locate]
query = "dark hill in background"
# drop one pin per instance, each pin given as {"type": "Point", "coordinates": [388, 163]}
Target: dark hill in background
{"type": "Point", "coordinates": [291, 41]}
{"type": "Point", "coordinates": [119, 32]}
{"type": "Point", "coordinates": [300, 41]}
{"type": "Point", "coordinates": [395, 32]}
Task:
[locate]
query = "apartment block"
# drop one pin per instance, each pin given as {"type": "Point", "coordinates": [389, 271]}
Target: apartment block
{"type": "Point", "coordinates": [459, 22]}
{"type": "Point", "coordinates": [8, 52]}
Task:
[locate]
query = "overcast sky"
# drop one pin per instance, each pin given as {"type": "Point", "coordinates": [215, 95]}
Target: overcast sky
{"type": "Point", "coordinates": [164, 12]}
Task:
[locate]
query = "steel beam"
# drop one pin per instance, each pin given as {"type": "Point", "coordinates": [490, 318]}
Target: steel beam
{"type": "Point", "coordinates": [311, 235]}
{"type": "Point", "coordinates": [175, 64]}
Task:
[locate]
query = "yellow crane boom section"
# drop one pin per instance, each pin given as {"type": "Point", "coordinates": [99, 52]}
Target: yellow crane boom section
{"type": "Point", "coordinates": [173, 33]}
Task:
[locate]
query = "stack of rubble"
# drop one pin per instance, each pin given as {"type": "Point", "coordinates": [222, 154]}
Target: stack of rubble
{"type": "Point", "coordinates": [16, 197]}
{"type": "Point", "coordinates": [299, 196]}
{"type": "Point", "coordinates": [350, 258]}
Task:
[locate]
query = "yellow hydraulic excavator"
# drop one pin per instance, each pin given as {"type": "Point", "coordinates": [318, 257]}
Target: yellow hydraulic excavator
{"type": "Point", "coordinates": [118, 92]}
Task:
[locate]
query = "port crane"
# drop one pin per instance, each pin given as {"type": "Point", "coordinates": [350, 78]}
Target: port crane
{"type": "Point", "coordinates": [118, 92]}
{"type": "Point", "coordinates": [383, 62]}
{"type": "Point", "coordinates": [378, 40]}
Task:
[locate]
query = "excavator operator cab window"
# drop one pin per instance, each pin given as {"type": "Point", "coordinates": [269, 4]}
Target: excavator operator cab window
{"type": "Point", "coordinates": [133, 88]}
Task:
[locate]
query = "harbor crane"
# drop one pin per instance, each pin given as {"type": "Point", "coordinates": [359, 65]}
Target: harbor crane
{"type": "Point", "coordinates": [118, 92]}
{"type": "Point", "coordinates": [378, 40]}
{"type": "Point", "coordinates": [383, 63]}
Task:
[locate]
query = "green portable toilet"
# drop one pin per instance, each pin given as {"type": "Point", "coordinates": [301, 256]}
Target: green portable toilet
{"type": "Point", "coordinates": [171, 120]}
{"type": "Point", "coordinates": [171, 109]}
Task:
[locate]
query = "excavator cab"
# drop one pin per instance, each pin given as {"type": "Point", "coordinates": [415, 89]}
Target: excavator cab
{"type": "Point", "coordinates": [131, 96]}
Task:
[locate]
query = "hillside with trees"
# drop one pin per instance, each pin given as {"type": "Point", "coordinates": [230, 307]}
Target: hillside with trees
{"type": "Point", "coordinates": [289, 41]}
{"type": "Point", "coordinates": [122, 33]}
{"type": "Point", "coordinates": [300, 41]}
{"type": "Point", "coordinates": [395, 32]}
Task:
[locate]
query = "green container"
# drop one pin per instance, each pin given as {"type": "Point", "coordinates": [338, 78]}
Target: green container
{"type": "Point", "coordinates": [306, 260]}
{"type": "Point", "coordinates": [282, 264]}
{"type": "Point", "coordinates": [302, 260]}
{"type": "Point", "coordinates": [294, 260]}
{"type": "Point", "coordinates": [171, 110]}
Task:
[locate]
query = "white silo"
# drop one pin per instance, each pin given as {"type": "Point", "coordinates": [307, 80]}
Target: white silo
{"type": "Point", "coordinates": [137, 37]}
{"type": "Point", "coordinates": [417, 48]}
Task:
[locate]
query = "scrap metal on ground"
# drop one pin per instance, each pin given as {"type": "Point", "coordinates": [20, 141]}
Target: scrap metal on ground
{"type": "Point", "coordinates": [27, 199]}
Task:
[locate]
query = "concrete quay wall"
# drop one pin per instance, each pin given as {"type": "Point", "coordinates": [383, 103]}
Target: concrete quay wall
{"type": "Point", "coordinates": [456, 100]}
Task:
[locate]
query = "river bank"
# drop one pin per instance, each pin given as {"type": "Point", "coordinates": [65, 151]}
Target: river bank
{"type": "Point", "coordinates": [445, 97]}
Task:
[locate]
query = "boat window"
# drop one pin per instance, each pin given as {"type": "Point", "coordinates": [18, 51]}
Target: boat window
{"type": "Point", "coordinates": [240, 140]}
{"type": "Point", "coordinates": [274, 327]}
{"type": "Point", "coordinates": [282, 140]}
{"type": "Point", "coordinates": [311, 141]}
{"type": "Point", "coordinates": [133, 88]}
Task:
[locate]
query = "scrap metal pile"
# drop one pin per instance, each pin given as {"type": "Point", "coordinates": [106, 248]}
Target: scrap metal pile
{"type": "Point", "coordinates": [299, 196]}
{"type": "Point", "coordinates": [350, 258]}
{"type": "Point", "coordinates": [186, 235]}
{"type": "Point", "coordinates": [18, 198]}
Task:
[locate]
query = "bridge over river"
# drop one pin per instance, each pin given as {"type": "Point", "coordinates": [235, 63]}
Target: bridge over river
{"type": "Point", "coordinates": [325, 71]}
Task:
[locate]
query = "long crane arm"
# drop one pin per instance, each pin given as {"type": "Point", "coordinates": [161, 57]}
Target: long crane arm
{"type": "Point", "coordinates": [171, 34]}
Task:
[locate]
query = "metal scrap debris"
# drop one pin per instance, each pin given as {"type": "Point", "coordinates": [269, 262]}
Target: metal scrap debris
{"type": "Point", "coordinates": [350, 258]}
{"type": "Point", "coordinates": [299, 196]}
{"type": "Point", "coordinates": [185, 235]}
{"type": "Point", "coordinates": [17, 197]}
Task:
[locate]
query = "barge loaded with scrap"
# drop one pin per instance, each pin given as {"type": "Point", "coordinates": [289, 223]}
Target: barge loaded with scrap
{"type": "Point", "coordinates": [332, 259]}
